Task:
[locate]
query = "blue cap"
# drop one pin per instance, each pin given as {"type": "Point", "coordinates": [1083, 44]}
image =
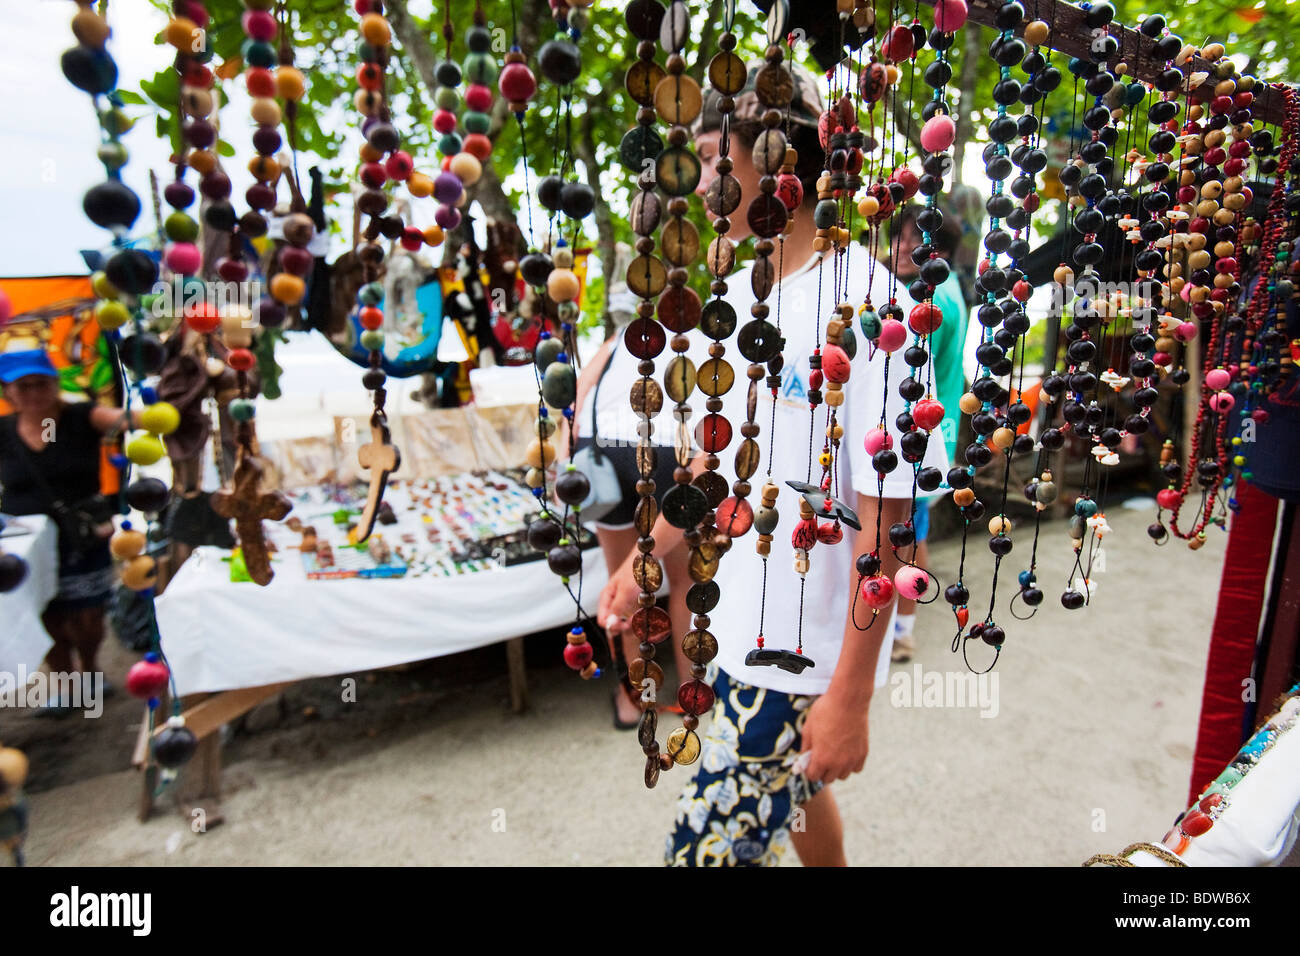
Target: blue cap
{"type": "Point", "coordinates": [16, 365]}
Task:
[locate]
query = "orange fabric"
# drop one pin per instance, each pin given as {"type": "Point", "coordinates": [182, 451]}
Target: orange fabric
{"type": "Point", "coordinates": [29, 294]}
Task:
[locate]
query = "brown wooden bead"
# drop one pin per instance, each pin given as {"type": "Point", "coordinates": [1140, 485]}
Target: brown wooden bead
{"type": "Point", "coordinates": [647, 572]}
{"type": "Point", "coordinates": [680, 379]}
{"type": "Point", "coordinates": [774, 86]}
{"type": "Point", "coordinates": [715, 377]}
{"type": "Point", "coordinates": [644, 213]}
{"type": "Point", "coordinates": [699, 646]}
{"type": "Point", "coordinates": [761, 278]}
{"type": "Point", "coordinates": [721, 256]}
{"type": "Point", "coordinates": [748, 456]}
{"type": "Point", "coordinates": [642, 79]}
{"type": "Point", "coordinates": [647, 513]}
{"type": "Point", "coordinates": [647, 397]}
{"type": "Point", "coordinates": [680, 241]}
{"type": "Point", "coordinates": [677, 99]}
{"type": "Point", "coordinates": [646, 276]}
{"type": "Point", "coordinates": [722, 198]}
{"type": "Point", "coordinates": [727, 73]}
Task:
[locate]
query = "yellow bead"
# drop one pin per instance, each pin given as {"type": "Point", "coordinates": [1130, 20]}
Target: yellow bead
{"type": "Point", "coordinates": [289, 83]}
{"type": "Point", "coordinates": [562, 285]}
{"type": "Point", "coordinates": [434, 235]}
{"type": "Point", "coordinates": [419, 185]}
{"type": "Point", "coordinates": [375, 29]}
{"type": "Point", "coordinates": [202, 161]}
{"type": "Point", "coordinates": [1003, 437]}
{"type": "Point", "coordinates": [999, 525]}
{"type": "Point", "coordinates": [868, 206]}
{"type": "Point", "coordinates": [683, 746]}
{"type": "Point", "coordinates": [140, 573]}
{"type": "Point", "coordinates": [161, 418]}
{"type": "Point", "coordinates": [970, 404]}
{"type": "Point", "coordinates": [540, 454]}
{"type": "Point", "coordinates": [13, 767]}
{"type": "Point", "coordinates": [102, 287]}
{"type": "Point", "coordinates": [127, 544]}
{"type": "Point", "coordinates": [184, 34]}
{"type": "Point", "coordinates": [824, 459]}
{"type": "Point", "coordinates": [111, 314]}
{"type": "Point", "coordinates": [1238, 460]}
{"type": "Point", "coordinates": [145, 449]}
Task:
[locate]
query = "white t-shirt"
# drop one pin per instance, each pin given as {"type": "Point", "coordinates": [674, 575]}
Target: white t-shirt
{"type": "Point", "coordinates": [610, 402]}
{"type": "Point", "coordinates": [832, 577]}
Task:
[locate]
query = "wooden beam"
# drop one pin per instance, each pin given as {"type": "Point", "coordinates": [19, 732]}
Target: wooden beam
{"type": "Point", "coordinates": [206, 717]}
{"type": "Point", "coordinates": [1071, 35]}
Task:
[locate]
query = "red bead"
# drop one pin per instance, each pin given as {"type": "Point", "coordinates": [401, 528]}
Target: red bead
{"type": "Point", "coordinates": [370, 77]}
{"type": "Point", "coordinates": [517, 83]}
{"type": "Point", "coordinates": [203, 318]}
{"type": "Point", "coordinates": [1210, 801]}
{"type": "Point", "coordinates": [816, 379]}
{"type": "Point", "coordinates": [790, 191]}
{"type": "Point", "coordinates": [835, 364]}
{"type": "Point", "coordinates": [1214, 156]}
{"type": "Point", "coordinates": [146, 679]}
{"type": "Point", "coordinates": [1242, 100]}
{"type": "Point", "coordinates": [1032, 202]}
{"type": "Point", "coordinates": [1196, 822]}
{"type": "Point", "coordinates": [1169, 498]}
{"type": "Point", "coordinates": [478, 97]}
{"type": "Point", "coordinates": [196, 74]}
{"type": "Point", "coordinates": [713, 433]}
{"type": "Point", "coordinates": [232, 270]}
{"type": "Point", "coordinates": [928, 413]}
{"type": "Point", "coordinates": [963, 615]}
{"type": "Point", "coordinates": [1022, 290]}
{"type": "Point", "coordinates": [924, 318]}
{"type": "Point", "coordinates": [444, 121]}
{"type": "Point", "coordinates": [1221, 104]}
{"type": "Point", "coordinates": [829, 532]}
{"type": "Point", "coordinates": [733, 517]}
{"type": "Point", "coordinates": [1196, 223]}
{"type": "Point", "coordinates": [804, 534]}
{"type": "Point", "coordinates": [1240, 149]}
{"type": "Point", "coordinates": [297, 261]}
{"type": "Point", "coordinates": [898, 45]}
{"type": "Point", "coordinates": [1233, 166]}
{"type": "Point", "coordinates": [578, 656]}
{"type": "Point", "coordinates": [367, 6]}
{"type": "Point", "coordinates": [241, 360]}
{"type": "Point", "coordinates": [260, 82]}
{"type": "Point", "coordinates": [478, 146]}
{"type": "Point", "coordinates": [1186, 193]}
{"type": "Point", "coordinates": [258, 24]}
{"type": "Point", "coordinates": [908, 179]}
{"type": "Point", "coordinates": [399, 165]}
{"type": "Point", "coordinates": [373, 175]}
{"type": "Point", "coordinates": [412, 239]}
{"type": "Point", "coordinates": [695, 697]}
{"type": "Point", "coordinates": [877, 591]}
{"type": "Point", "coordinates": [371, 317]}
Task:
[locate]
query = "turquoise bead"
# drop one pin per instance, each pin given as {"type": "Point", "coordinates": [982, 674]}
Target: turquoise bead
{"type": "Point", "coordinates": [371, 294]}
{"type": "Point", "coordinates": [242, 409]}
{"type": "Point", "coordinates": [449, 144]}
{"type": "Point", "coordinates": [476, 122]}
{"type": "Point", "coordinates": [257, 53]}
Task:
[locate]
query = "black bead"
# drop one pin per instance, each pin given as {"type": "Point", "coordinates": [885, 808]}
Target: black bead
{"type": "Point", "coordinates": [1053, 439]}
{"type": "Point", "coordinates": [1022, 445]}
{"type": "Point", "coordinates": [956, 595]}
{"type": "Point", "coordinates": [884, 461]}
{"type": "Point", "coordinates": [911, 390]}
{"type": "Point", "coordinates": [1000, 545]}
{"type": "Point", "coordinates": [900, 535]}
{"type": "Point", "coordinates": [1072, 600]}
{"type": "Point", "coordinates": [978, 455]}
{"type": "Point", "coordinates": [550, 191]}
{"type": "Point", "coordinates": [959, 478]}
{"type": "Point", "coordinates": [560, 61]}
{"type": "Point", "coordinates": [149, 495]}
{"type": "Point", "coordinates": [915, 356]}
{"type": "Point", "coordinates": [929, 478]}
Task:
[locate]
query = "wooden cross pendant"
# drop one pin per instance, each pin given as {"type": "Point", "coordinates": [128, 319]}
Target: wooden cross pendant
{"type": "Point", "coordinates": [382, 458]}
{"type": "Point", "coordinates": [247, 504]}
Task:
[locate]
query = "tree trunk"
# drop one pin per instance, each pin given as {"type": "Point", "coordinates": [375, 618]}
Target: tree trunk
{"type": "Point", "coordinates": [970, 61]}
{"type": "Point", "coordinates": [586, 150]}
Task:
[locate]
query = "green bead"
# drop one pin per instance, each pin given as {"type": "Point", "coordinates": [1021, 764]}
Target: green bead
{"type": "Point", "coordinates": [113, 156]}
{"type": "Point", "coordinates": [372, 293]}
{"type": "Point", "coordinates": [181, 227]}
{"type": "Point", "coordinates": [257, 53]}
{"type": "Point", "coordinates": [242, 409]}
{"type": "Point", "coordinates": [1085, 507]}
{"type": "Point", "coordinates": [449, 144]}
{"type": "Point", "coordinates": [368, 52]}
{"type": "Point", "coordinates": [476, 122]}
{"type": "Point", "coordinates": [372, 340]}
{"type": "Point", "coordinates": [446, 98]}
{"type": "Point", "coordinates": [869, 322]}
{"type": "Point", "coordinates": [481, 68]}
{"type": "Point", "coordinates": [115, 122]}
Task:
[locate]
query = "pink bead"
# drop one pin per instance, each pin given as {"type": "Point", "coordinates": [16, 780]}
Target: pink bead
{"type": "Point", "coordinates": [448, 217]}
{"type": "Point", "coordinates": [1222, 402]}
{"type": "Point", "coordinates": [1217, 379]}
{"type": "Point", "coordinates": [578, 656]}
{"type": "Point", "coordinates": [1163, 359]}
{"type": "Point", "coordinates": [183, 257]}
{"type": "Point", "coordinates": [949, 15]}
{"type": "Point", "coordinates": [1186, 332]}
{"type": "Point", "coordinates": [912, 583]}
{"type": "Point", "coordinates": [893, 334]}
{"type": "Point", "coordinates": [478, 97]}
{"type": "Point", "coordinates": [6, 307]}
{"type": "Point", "coordinates": [877, 440]}
{"type": "Point", "coordinates": [259, 24]}
{"type": "Point", "coordinates": [938, 132]}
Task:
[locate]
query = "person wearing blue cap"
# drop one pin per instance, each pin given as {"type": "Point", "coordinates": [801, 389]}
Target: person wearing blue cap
{"type": "Point", "coordinates": [49, 464]}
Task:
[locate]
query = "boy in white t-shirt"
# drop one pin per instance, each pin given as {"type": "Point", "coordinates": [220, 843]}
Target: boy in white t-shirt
{"type": "Point", "coordinates": [752, 782]}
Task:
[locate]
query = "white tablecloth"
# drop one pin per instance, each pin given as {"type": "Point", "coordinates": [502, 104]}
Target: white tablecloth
{"type": "Point", "coordinates": [218, 635]}
{"type": "Point", "coordinates": [23, 639]}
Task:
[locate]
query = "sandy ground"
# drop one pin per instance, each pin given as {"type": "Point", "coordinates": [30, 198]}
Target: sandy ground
{"type": "Point", "coordinates": [1090, 749]}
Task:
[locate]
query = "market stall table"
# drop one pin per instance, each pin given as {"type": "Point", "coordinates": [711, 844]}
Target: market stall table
{"type": "Point", "coordinates": [24, 641]}
{"type": "Point", "coordinates": [244, 643]}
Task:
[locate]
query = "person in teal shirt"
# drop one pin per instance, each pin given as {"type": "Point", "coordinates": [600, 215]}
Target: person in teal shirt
{"type": "Point", "coordinates": [949, 382]}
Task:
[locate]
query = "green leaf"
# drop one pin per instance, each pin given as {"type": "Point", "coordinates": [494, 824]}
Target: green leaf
{"type": "Point", "coordinates": [131, 99]}
{"type": "Point", "coordinates": [224, 148]}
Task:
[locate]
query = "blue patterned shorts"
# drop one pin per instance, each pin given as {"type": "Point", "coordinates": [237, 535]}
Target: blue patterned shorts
{"type": "Point", "coordinates": [740, 807]}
